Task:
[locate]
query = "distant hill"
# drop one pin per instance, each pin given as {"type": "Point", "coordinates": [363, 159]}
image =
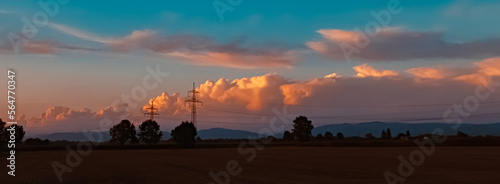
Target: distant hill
{"type": "Point", "coordinates": [349, 130]}
{"type": "Point", "coordinates": [376, 128]}
{"type": "Point", "coordinates": [221, 133]}
{"type": "Point", "coordinates": [71, 136]}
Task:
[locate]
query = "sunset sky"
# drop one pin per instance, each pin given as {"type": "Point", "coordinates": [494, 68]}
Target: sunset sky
{"type": "Point", "coordinates": [259, 56]}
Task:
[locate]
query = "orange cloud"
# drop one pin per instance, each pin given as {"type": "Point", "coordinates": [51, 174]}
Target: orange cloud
{"type": "Point", "coordinates": [338, 35]}
{"type": "Point", "coordinates": [254, 92]}
{"type": "Point", "coordinates": [55, 114]}
{"type": "Point", "coordinates": [294, 92]}
{"type": "Point", "coordinates": [368, 71]}
{"type": "Point", "coordinates": [171, 104]}
{"type": "Point", "coordinates": [333, 75]}
{"type": "Point", "coordinates": [427, 73]}
{"type": "Point", "coordinates": [235, 60]}
{"type": "Point", "coordinates": [485, 68]}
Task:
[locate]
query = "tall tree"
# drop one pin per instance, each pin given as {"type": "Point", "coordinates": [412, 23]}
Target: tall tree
{"type": "Point", "coordinates": [3, 139]}
{"type": "Point", "coordinates": [408, 133]}
{"type": "Point", "coordinates": [123, 132]}
{"type": "Point", "coordinates": [287, 136]}
{"type": "Point", "coordinates": [340, 136]}
{"type": "Point", "coordinates": [184, 134]}
{"type": "Point", "coordinates": [5, 132]}
{"type": "Point", "coordinates": [302, 128]}
{"type": "Point", "coordinates": [149, 132]}
{"type": "Point", "coordinates": [328, 135]}
{"type": "Point", "coordinates": [369, 136]}
{"type": "Point", "coordinates": [384, 135]}
{"type": "Point", "coordinates": [389, 135]}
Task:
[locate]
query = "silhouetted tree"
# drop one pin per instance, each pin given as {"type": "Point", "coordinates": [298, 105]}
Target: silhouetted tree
{"type": "Point", "coordinates": [184, 134]}
{"type": "Point", "coordinates": [287, 136]}
{"type": "Point", "coordinates": [302, 128]}
{"type": "Point", "coordinates": [122, 132]}
{"type": "Point", "coordinates": [384, 135]}
{"type": "Point", "coordinates": [149, 132]}
{"type": "Point", "coordinates": [400, 135]}
{"type": "Point", "coordinates": [328, 135]}
{"type": "Point", "coordinates": [408, 133]}
{"type": "Point", "coordinates": [3, 139]}
{"type": "Point", "coordinates": [340, 136]}
{"type": "Point", "coordinates": [36, 141]}
{"type": "Point", "coordinates": [389, 135]}
{"type": "Point", "coordinates": [19, 133]}
{"type": "Point", "coordinates": [461, 134]}
{"type": "Point", "coordinates": [198, 139]}
{"type": "Point", "coordinates": [369, 136]}
{"type": "Point", "coordinates": [319, 137]}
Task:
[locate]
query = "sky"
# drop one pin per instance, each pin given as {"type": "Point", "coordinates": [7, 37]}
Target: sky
{"type": "Point", "coordinates": [334, 62]}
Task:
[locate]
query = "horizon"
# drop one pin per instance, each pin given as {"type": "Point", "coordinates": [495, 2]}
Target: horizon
{"type": "Point", "coordinates": [246, 65]}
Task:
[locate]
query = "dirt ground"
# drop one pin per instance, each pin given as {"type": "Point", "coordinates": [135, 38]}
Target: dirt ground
{"type": "Point", "coordinates": [271, 165]}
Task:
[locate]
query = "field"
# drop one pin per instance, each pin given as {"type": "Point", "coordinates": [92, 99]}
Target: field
{"type": "Point", "coordinates": [271, 165]}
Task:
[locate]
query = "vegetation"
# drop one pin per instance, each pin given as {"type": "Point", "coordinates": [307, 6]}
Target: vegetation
{"type": "Point", "coordinates": [123, 132]}
{"type": "Point", "coordinates": [36, 141]}
{"type": "Point", "coordinates": [287, 136]}
{"type": "Point", "coordinates": [184, 134]}
{"type": "Point", "coordinates": [340, 136]}
{"type": "Point", "coordinates": [5, 134]}
{"type": "Point", "coordinates": [328, 135]}
{"type": "Point", "coordinates": [369, 136]}
{"type": "Point", "coordinates": [149, 132]}
{"type": "Point", "coordinates": [302, 128]}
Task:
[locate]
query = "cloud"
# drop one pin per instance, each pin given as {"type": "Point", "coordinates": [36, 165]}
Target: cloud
{"type": "Point", "coordinates": [65, 119]}
{"type": "Point", "coordinates": [368, 71]}
{"type": "Point", "coordinates": [333, 75]}
{"type": "Point", "coordinates": [427, 73]}
{"type": "Point", "coordinates": [56, 114]}
{"type": "Point", "coordinates": [170, 104]}
{"type": "Point", "coordinates": [6, 12]}
{"type": "Point", "coordinates": [253, 92]}
{"type": "Point", "coordinates": [235, 60]}
{"type": "Point", "coordinates": [395, 44]}
{"type": "Point", "coordinates": [293, 93]}
{"type": "Point", "coordinates": [80, 34]}
{"type": "Point", "coordinates": [372, 95]}
{"type": "Point", "coordinates": [484, 69]}
{"type": "Point", "coordinates": [195, 49]}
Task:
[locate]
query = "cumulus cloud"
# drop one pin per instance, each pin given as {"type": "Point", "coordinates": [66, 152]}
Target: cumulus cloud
{"type": "Point", "coordinates": [294, 92]}
{"type": "Point", "coordinates": [65, 119]}
{"type": "Point", "coordinates": [255, 92]}
{"type": "Point", "coordinates": [373, 95]}
{"type": "Point", "coordinates": [393, 44]}
{"type": "Point", "coordinates": [55, 114]}
{"type": "Point", "coordinates": [170, 104]}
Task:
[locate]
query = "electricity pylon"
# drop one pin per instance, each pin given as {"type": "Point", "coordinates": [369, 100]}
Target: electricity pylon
{"type": "Point", "coordinates": [193, 102]}
{"type": "Point", "coordinates": [152, 111]}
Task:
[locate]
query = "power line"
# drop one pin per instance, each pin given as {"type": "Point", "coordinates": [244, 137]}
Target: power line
{"type": "Point", "coordinates": [193, 102]}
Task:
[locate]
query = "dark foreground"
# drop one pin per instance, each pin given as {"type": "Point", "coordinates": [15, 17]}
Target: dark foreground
{"type": "Point", "coordinates": [271, 165]}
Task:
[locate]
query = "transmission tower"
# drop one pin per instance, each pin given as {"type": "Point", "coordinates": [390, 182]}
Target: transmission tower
{"type": "Point", "coordinates": [152, 111]}
{"type": "Point", "coordinates": [193, 102]}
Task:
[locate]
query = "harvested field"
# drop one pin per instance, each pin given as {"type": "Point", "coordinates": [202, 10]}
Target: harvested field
{"type": "Point", "coordinates": [271, 165]}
